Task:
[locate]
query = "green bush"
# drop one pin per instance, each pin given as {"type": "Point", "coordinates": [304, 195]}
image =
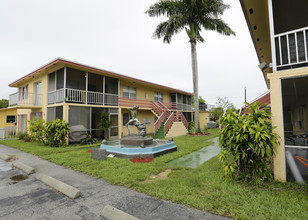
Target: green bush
{"type": "Point", "coordinates": [205, 129]}
{"type": "Point", "coordinates": [37, 130]}
{"type": "Point", "coordinates": [104, 122]}
{"type": "Point", "coordinates": [20, 135]}
{"type": "Point", "coordinates": [57, 133]}
{"type": "Point", "coordinates": [248, 144]}
{"type": "Point", "coordinates": [89, 140]}
{"type": "Point", "coordinates": [191, 127]}
{"type": "Point", "coordinates": [27, 137]}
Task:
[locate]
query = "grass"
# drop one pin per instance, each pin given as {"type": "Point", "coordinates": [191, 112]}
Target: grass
{"type": "Point", "coordinates": [203, 188]}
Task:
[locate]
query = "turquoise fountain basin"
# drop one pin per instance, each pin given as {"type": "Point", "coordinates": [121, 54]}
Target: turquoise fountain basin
{"type": "Point", "coordinates": [158, 148]}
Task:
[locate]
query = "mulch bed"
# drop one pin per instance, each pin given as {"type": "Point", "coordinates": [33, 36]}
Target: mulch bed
{"type": "Point", "coordinates": [199, 134]}
{"type": "Point", "coordinates": [89, 151]}
{"type": "Point", "coordinates": [142, 160]}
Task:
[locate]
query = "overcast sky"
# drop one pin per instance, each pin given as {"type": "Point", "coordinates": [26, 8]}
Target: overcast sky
{"type": "Point", "coordinates": [118, 36]}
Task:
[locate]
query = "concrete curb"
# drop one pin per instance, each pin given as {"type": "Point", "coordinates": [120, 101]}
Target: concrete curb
{"type": "Point", "coordinates": [111, 213]}
{"type": "Point", "coordinates": [25, 168]}
{"type": "Point", "coordinates": [64, 188]}
{"type": "Point", "coordinates": [4, 157]}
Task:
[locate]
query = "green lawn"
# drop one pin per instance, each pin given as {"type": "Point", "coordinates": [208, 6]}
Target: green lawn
{"type": "Point", "coordinates": [203, 188]}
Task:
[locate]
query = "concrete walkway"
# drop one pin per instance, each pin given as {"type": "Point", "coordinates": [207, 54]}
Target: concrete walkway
{"type": "Point", "coordinates": [31, 199]}
{"type": "Point", "coordinates": [196, 158]}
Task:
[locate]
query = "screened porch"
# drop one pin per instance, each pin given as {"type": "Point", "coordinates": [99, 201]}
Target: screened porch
{"type": "Point", "coordinates": [76, 86]}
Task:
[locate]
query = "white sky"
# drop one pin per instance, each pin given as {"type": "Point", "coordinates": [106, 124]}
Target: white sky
{"type": "Point", "coordinates": [117, 36]}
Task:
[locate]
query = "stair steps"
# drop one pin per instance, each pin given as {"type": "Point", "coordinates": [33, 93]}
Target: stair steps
{"type": "Point", "coordinates": [160, 133]}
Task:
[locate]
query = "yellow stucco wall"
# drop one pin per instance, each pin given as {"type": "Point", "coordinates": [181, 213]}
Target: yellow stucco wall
{"type": "Point", "coordinates": [277, 118]}
{"type": "Point", "coordinates": [5, 112]}
{"type": "Point", "coordinates": [141, 115]}
{"type": "Point", "coordinates": [145, 92]}
{"type": "Point", "coordinates": [204, 117]}
{"type": "Point", "coordinates": [177, 129]}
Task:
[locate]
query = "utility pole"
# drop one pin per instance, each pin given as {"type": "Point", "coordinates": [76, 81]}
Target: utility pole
{"type": "Point", "coordinates": [245, 95]}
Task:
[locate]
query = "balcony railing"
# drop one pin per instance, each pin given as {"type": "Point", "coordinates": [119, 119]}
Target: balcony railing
{"type": "Point", "coordinates": [25, 99]}
{"type": "Point", "coordinates": [56, 96]}
{"type": "Point", "coordinates": [291, 48]}
{"type": "Point", "coordinates": [82, 96]}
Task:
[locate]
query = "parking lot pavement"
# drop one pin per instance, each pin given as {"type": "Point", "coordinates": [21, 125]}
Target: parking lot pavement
{"type": "Point", "coordinates": [31, 199]}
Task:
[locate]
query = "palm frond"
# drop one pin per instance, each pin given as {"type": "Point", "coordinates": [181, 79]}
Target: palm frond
{"type": "Point", "coordinates": [164, 7]}
{"type": "Point", "coordinates": [194, 15]}
{"type": "Point", "coordinates": [169, 28]}
{"type": "Point", "coordinates": [221, 27]}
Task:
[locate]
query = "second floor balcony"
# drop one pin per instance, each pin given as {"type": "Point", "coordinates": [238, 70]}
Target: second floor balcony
{"type": "Point", "coordinates": [76, 86]}
{"type": "Point", "coordinates": [82, 96]}
{"type": "Point", "coordinates": [25, 99]}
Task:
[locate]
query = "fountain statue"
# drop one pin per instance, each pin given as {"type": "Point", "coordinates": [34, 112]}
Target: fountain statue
{"type": "Point", "coordinates": [134, 121]}
{"type": "Point", "coordinates": [136, 139]}
{"type": "Point", "coordinates": [137, 145]}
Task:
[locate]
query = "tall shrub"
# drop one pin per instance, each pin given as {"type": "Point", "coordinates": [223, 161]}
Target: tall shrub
{"type": "Point", "coordinates": [37, 130]}
{"type": "Point", "coordinates": [105, 122]}
{"type": "Point", "coordinates": [248, 144]}
{"type": "Point", "coordinates": [57, 133]}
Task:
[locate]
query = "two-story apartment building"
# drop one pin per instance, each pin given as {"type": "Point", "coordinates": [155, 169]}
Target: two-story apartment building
{"type": "Point", "coordinates": [279, 31]}
{"type": "Point", "coordinates": [79, 93]}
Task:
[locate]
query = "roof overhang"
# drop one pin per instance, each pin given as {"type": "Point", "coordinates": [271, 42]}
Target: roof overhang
{"type": "Point", "coordinates": [257, 18]}
{"type": "Point", "coordinates": [60, 62]}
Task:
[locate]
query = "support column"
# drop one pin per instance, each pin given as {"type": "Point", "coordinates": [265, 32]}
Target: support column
{"type": "Point", "coordinates": [120, 122]}
{"type": "Point", "coordinates": [66, 112]}
{"type": "Point", "coordinates": [277, 120]}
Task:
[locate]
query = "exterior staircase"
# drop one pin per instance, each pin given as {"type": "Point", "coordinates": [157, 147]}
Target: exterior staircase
{"type": "Point", "coordinates": [160, 133]}
{"type": "Point", "coordinates": [166, 119]}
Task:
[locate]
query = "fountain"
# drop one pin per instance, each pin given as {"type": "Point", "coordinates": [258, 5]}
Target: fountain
{"type": "Point", "coordinates": [138, 145]}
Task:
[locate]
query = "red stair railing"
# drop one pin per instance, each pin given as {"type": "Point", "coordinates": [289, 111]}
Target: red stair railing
{"type": "Point", "coordinates": [168, 123]}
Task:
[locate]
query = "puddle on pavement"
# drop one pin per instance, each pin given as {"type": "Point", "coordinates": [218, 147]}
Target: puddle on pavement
{"type": "Point", "coordinates": [18, 178]}
{"type": "Point", "coordinates": [195, 159]}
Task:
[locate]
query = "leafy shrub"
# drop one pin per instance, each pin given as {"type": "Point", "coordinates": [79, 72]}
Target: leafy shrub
{"type": "Point", "coordinates": [248, 144]}
{"type": "Point", "coordinates": [37, 130]}
{"type": "Point", "coordinates": [89, 140]}
{"type": "Point", "coordinates": [26, 137]}
{"type": "Point", "coordinates": [57, 133]}
{"type": "Point", "coordinates": [205, 130]}
{"type": "Point", "coordinates": [20, 135]}
{"type": "Point", "coordinates": [216, 113]}
{"type": "Point", "coordinates": [191, 127]}
{"type": "Point", "coordinates": [104, 122]}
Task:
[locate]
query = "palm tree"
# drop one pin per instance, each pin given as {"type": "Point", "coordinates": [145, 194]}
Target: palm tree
{"type": "Point", "coordinates": [193, 16]}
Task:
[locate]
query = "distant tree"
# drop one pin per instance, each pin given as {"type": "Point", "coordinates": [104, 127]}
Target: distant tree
{"type": "Point", "coordinates": [105, 122]}
{"type": "Point", "coordinates": [191, 16]}
{"type": "Point", "coordinates": [216, 113]}
{"type": "Point", "coordinates": [201, 100]}
{"type": "Point", "coordinates": [4, 103]}
{"type": "Point", "coordinates": [224, 103]}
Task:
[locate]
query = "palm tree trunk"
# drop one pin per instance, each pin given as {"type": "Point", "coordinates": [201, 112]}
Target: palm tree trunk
{"type": "Point", "coordinates": [195, 82]}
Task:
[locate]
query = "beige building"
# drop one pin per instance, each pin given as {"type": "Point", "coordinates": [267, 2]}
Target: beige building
{"type": "Point", "coordinates": [279, 32]}
{"type": "Point", "coordinates": [78, 94]}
